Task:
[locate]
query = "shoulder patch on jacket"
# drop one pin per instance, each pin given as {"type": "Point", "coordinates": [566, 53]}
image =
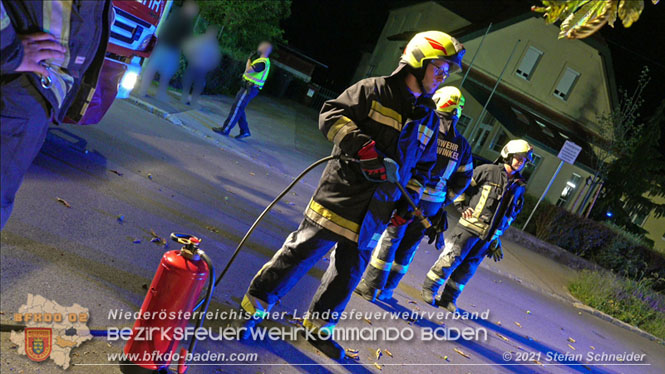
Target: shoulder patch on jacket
{"type": "Point", "coordinates": [4, 18]}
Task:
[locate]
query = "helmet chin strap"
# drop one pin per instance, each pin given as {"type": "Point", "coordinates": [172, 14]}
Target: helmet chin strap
{"type": "Point", "coordinates": [419, 74]}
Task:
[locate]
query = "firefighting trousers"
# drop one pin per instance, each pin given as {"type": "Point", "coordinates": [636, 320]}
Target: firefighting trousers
{"type": "Point", "coordinates": [394, 253]}
{"type": "Point", "coordinates": [237, 114]}
{"type": "Point", "coordinates": [301, 250]}
{"type": "Point", "coordinates": [24, 121]}
{"type": "Point", "coordinates": [458, 262]}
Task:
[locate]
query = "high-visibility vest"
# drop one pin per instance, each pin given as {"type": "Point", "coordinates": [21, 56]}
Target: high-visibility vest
{"type": "Point", "coordinates": [258, 78]}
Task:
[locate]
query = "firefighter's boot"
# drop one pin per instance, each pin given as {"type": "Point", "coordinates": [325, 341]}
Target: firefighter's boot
{"type": "Point", "coordinates": [429, 291]}
{"type": "Point", "coordinates": [366, 291]}
{"type": "Point", "coordinates": [244, 325]}
{"type": "Point", "coordinates": [449, 296]}
{"type": "Point", "coordinates": [386, 295]}
{"type": "Point", "coordinates": [447, 303]}
{"type": "Point", "coordinates": [325, 344]}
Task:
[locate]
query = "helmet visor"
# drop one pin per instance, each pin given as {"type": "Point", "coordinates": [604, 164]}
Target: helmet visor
{"type": "Point", "coordinates": [455, 61]}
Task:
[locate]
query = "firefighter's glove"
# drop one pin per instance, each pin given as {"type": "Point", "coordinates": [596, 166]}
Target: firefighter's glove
{"type": "Point", "coordinates": [495, 250]}
{"type": "Point", "coordinates": [439, 225]}
{"type": "Point", "coordinates": [403, 213]}
{"type": "Point", "coordinates": [392, 170]}
{"type": "Point", "coordinates": [371, 163]}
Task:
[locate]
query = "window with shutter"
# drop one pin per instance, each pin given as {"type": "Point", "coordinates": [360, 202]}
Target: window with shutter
{"type": "Point", "coordinates": [528, 64]}
{"type": "Point", "coordinates": [566, 83]}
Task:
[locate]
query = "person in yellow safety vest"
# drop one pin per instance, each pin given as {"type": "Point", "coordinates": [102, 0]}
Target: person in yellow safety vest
{"type": "Point", "coordinates": [454, 167]}
{"type": "Point", "coordinates": [257, 69]}
{"type": "Point", "coordinates": [488, 207]}
{"type": "Point", "coordinates": [376, 119]}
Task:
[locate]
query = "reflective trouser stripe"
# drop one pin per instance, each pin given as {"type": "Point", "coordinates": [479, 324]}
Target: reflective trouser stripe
{"type": "Point", "coordinates": [452, 290]}
{"type": "Point", "coordinates": [332, 221]}
{"type": "Point", "coordinates": [458, 286]}
{"type": "Point", "coordinates": [435, 278]}
{"type": "Point", "coordinates": [398, 268]}
{"type": "Point", "coordinates": [317, 325]}
{"type": "Point", "coordinates": [237, 107]}
{"type": "Point", "coordinates": [379, 264]}
{"type": "Point", "coordinates": [254, 306]}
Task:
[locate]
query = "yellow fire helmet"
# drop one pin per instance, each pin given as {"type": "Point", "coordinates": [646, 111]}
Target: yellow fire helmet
{"type": "Point", "coordinates": [449, 99]}
{"type": "Point", "coordinates": [517, 146]}
{"type": "Point", "coordinates": [433, 45]}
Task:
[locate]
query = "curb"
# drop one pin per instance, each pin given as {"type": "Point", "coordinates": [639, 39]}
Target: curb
{"type": "Point", "coordinates": [161, 113]}
{"type": "Point", "coordinates": [617, 322]}
{"type": "Point", "coordinates": [174, 119]}
{"type": "Point", "coordinates": [570, 299]}
{"type": "Point", "coordinates": [552, 251]}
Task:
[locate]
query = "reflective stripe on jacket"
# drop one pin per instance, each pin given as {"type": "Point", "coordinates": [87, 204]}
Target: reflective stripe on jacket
{"type": "Point", "coordinates": [82, 27]}
{"type": "Point", "coordinates": [454, 166]}
{"type": "Point", "coordinates": [258, 78]}
{"type": "Point", "coordinates": [495, 201]}
{"type": "Point", "coordinates": [381, 109]}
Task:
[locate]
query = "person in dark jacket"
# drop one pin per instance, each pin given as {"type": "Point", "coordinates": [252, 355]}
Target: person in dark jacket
{"type": "Point", "coordinates": [372, 121]}
{"type": "Point", "coordinates": [454, 168]}
{"type": "Point", "coordinates": [488, 207]}
{"type": "Point", "coordinates": [257, 69]}
{"type": "Point", "coordinates": [165, 58]}
{"type": "Point", "coordinates": [52, 53]}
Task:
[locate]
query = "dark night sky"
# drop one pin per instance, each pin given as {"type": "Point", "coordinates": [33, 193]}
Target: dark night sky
{"type": "Point", "coordinates": [337, 32]}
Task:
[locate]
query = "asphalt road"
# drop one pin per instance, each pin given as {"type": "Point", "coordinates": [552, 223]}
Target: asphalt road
{"type": "Point", "coordinates": [163, 178]}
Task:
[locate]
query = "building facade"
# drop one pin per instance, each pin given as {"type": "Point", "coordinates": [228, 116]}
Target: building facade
{"type": "Point", "coordinates": [524, 82]}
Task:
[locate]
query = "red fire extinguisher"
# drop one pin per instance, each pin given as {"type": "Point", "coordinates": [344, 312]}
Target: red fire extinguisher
{"type": "Point", "coordinates": [172, 295]}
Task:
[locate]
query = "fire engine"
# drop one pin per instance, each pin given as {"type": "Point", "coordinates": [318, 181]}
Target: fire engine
{"type": "Point", "coordinates": [132, 39]}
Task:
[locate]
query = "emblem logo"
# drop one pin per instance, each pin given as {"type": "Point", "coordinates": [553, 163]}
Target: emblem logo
{"type": "Point", "coordinates": [38, 343]}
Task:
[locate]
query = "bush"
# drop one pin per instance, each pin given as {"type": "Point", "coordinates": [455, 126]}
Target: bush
{"type": "Point", "coordinates": [632, 301]}
{"type": "Point", "coordinates": [607, 245]}
{"type": "Point", "coordinates": [529, 203]}
{"type": "Point", "coordinates": [225, 78]}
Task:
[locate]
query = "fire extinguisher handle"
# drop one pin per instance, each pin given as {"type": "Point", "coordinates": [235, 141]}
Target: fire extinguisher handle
{"type": "Point", "coordinates": [185, 239]}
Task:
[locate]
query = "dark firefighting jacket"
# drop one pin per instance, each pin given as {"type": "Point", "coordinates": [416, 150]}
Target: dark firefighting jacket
{"type": "Point", "coordinates": [495, 201]}
{"type": "Point", "coordinates": [404, 129]}
{"type": "Point", "coordinates": [81, 26]}
{"type": "Point", "coordinates": [454, 167]}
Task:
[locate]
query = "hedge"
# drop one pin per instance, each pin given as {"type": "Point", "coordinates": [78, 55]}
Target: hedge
{"type": "Point", "coordinates": [607, 245]}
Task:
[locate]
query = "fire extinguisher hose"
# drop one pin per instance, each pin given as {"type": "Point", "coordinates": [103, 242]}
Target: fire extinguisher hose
{"type": "Point", "coordinates": [263, 214]}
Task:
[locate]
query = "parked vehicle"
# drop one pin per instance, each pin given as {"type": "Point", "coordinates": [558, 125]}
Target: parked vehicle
{"type": "Point", "coordinates": [132, 39]}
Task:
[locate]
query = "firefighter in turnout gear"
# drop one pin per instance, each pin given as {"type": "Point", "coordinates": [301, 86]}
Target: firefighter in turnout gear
{"type": "Point", "coordinates": [52, 56]}
{"type": "Point", "coordinates": [257, 69]}
{"type": "Point", "coordinates": [375, 119]}
{"type": "Point", "coordinates": [488, 207]}
{"type": "Point", "coordinates": [454, 168]}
